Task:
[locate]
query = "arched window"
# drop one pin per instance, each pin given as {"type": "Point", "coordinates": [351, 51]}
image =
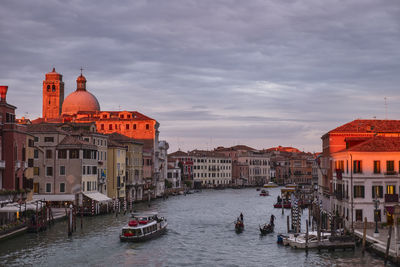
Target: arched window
{"type": "Point", "coordinates": [53, 88]}
{"type": "Point", "coordinates": [48, 88]}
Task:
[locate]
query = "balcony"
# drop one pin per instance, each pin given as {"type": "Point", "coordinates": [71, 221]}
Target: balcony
{"type": "Point", "coordinates": [2, 164]}
{"type": "Point", "coordinates": [391, 198]}
{"type": "Point", "coordinates": [390, 173]}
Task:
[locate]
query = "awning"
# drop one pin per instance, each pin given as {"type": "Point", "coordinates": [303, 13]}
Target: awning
{"type": "Point", "coordinates": [59, 197]}
{"type": "Point", "coordinates": [96, 196]}
{"type": "Point", "coordinates": [14, 207]}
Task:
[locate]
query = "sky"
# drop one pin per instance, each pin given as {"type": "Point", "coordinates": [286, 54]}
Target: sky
{"type": "Point", "coordinates": [212, 73]}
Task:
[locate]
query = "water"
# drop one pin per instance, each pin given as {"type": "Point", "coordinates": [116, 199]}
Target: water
{"type": "Point", "coordinates": [200, 233]}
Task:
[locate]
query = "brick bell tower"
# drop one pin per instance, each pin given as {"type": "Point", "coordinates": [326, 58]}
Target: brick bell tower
{"type": "Point", "coordinates": [53, 95]}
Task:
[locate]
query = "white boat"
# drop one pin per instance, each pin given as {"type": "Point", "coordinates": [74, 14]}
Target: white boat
{"type": "Point", "coordinates": [270, 185]}
{"type": "Point", "coordinates": [299, 240]}
{"type": "Point", "coordinates": [143, 226]}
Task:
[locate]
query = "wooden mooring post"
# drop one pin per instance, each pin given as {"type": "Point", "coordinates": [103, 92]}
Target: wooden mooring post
{"type": "Point", "coordinates": [364, 235]}
{"type": "Point", "coordinates": [388, 244]}
{"type": "Point", "coordinates": [306, 235]}
{"type": "Point", "coordinates": [287, 220]}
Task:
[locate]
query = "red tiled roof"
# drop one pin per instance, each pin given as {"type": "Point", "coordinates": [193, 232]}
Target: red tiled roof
{"type": "Point", "coordinates": [72, 140]}
{"type": "Point", "coordinates": [178, 154]}
{"type": "Point", "coordinates": [369, 126]}
{"type": "Point", "coordinates": [378, 144]}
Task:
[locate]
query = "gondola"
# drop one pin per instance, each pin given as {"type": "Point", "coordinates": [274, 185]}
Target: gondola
{"type": "Point", "coordinates": [266, 229]}
{"type": "Point", "coordinates": [239, 226]}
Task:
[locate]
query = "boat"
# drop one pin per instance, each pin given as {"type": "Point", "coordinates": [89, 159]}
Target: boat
{"type": "Point", "coordinates": [299, 240]}
{"type": "Point", "coordinates": [291, 185]}
{"type": "Point", "coordinates": [268, 228]}
{"type": "Point", "coordinates": [270, 185]}
{"type": "Point", "coordinates": [239, 226]}
{"type": "Point", "coordinates": [286, 205]}
{"type": "Point", "coordinates": [143, 226]}
{"type": "Point", "coordinates": [264, 193]}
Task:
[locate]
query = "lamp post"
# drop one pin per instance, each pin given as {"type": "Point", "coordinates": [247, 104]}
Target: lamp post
{"type": "Point", "coordinates": [376, 202]}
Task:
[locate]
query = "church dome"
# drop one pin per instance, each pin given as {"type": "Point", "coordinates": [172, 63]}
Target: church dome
{"type": "Point", "coordinates": [80, 100]}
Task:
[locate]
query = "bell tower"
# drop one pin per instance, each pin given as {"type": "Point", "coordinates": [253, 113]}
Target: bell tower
{"type": "Point", "coordinates": [53, 95]}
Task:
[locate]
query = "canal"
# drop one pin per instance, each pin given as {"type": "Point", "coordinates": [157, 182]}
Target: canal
{"type": "Point", "coordinates": [200, 233]}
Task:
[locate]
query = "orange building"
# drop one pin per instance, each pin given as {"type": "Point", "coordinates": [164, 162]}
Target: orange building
{"type": "Point", "coordinates": [341, 138]}
{"type": "Point", "coordinates": [81, 106]}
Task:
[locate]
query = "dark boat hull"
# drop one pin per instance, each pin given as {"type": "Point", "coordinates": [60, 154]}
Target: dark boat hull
{"type": "Point", "coordinates": [266, 231]}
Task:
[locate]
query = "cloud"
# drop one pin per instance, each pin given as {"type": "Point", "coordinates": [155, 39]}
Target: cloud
{"type": "Point", "coordinates": [260, 72]}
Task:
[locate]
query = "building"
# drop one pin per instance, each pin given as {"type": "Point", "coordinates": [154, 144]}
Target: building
{"type": "Point", "coordinates": [116, 166]}
{"type": "Point", "coordinates": [365, 172]}
{"type": "Point", "coordinates": [258, 166]}
{"type": "Point", "coordinates": [65, 162]}
{"type": "Point", "coordinates": [16, 146]}
{"type": "Point", "coordinates": [211, 169]}
{"type": "Point", "coordinates": [134, 166]}
{"type": "Point", "coordinates": [351, 133]}
{"type": "Point", "coordinates": [185, 163]}
{"type": "Point", "coordinates": [81, 106]}
{"type": "Point", "coordinates": [174, 175]}
{"type": "Point", "coordinates": [300, 169]}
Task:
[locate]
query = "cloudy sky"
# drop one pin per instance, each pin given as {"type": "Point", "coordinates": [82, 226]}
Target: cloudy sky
{"type": "Point", "coordinates": [256, 72]}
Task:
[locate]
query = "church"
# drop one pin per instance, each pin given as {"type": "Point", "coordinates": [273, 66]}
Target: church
{"type": "Point", "coordinates": [81, 106]}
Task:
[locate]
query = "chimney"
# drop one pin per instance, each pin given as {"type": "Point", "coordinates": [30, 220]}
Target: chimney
{"type": "Point", "coordinates": [3, 93]}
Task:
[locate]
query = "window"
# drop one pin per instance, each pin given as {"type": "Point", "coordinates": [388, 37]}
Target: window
{"type": "Point", "coordinates": [377, 166]}
{"type": "Point", "coordinates": [49, 171]}
{"type": "Point", "coordinates": [62, 154]}
{"type": "Point", "coordinates": [127, 127]}
{"type": "Point", "coordinates": [31, 143]}
{"type": "Point", "coordinates": [83, 170]}
{"type": "Point", "coordinates": [48, 188]}
{"type": "Point", "coordinates": [390, 189]}
{"type": "Point", "coordinates": [102, 127]}
{"type": "Point", "coordinates": [110, 127]}
{"type": "Point", "coordinates": [48, 88]}
{"type": "Point", "coordinates": [359, 191]}
{"type": "Point", "coordinates": [147, 126]}
{"type": "Point", "coordinates": [74, 154]}
{"type": "Point", "coordinates": [390, 167]}
{"type": "Point", "coordinates": [49, 139]}
{"type": "Point", "coordinates": [36, 171]}
{"type": "Point", "coordinates": [88, 170]}
{"type": "Point", "coordinates": [30, 163]}
{"type": "Point", "coordinates": [62, 170]}
{"type": "Point", "coordinates": [88, 186]}
{"type": "Point", "coordinates": [53, 88]}
{"type": "Point", "coordinates": [36, 153]}
{"type": "Point", "coordinates": [377, 191]}
{"type": "Point", "coordinates": [94, 169]}
{"type": "Point", "coordinates": [62, 188]}
{"type": "Point", "coordinates": [359, 215]}
{"type": "Point", "coordinates": [134, 127]}
{"type": "Point", "coordinates": [49, 154]}
{"type": "Point", "coordinates": [36, 139]}
{"type": "Point", "coordinates": [357, 168]}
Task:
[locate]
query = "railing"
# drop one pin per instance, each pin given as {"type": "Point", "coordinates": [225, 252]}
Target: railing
{"type": "Point", "coordinates": [391, 198]}
{"type": "Point", "coordinates": [391, 173]}
{"type": "Point", "coordinates": [2, 164]}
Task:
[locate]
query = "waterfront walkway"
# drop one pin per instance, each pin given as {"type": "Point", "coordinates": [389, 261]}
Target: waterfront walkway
{"type": "Point", "coordinates": [378, 244]}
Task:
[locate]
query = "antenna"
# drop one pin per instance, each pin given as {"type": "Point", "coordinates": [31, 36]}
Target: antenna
{"type": "Point", "coordinates": [386, 106]}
